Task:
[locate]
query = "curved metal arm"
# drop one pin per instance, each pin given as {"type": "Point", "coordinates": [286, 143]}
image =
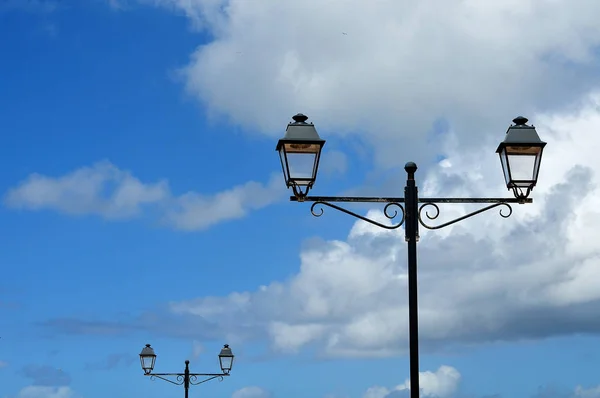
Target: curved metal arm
{"type": "Point", "coordinates": [194, 378]}
{"type": "Point", "coordinates": [386, 212]}
{"type": "Point", "coordinates": [437, 213]}
{"type": "Point", "coordinates": [179, 377]}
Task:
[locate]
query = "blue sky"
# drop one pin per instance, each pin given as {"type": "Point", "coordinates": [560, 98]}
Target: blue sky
{"type": "Point", "coordinates": [143, 202]}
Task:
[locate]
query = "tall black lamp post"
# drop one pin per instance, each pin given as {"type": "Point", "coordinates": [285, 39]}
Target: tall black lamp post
{"type": "Point", "coordinates": [520, 156]}
{"type": "Point", "coordinates": [148, 358]}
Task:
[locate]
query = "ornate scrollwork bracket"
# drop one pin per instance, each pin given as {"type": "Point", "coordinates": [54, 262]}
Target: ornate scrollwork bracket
{"type": "Point", "coordinates": [386, 212]}
{"type": "Point", "coordinates": [437, 213]}
{"type": "Point", "coordinates": [194, 378]}
{"type": "Point", "coordinates": [424, 204]}
{"type": "Point", "coordinates": [179, 377]}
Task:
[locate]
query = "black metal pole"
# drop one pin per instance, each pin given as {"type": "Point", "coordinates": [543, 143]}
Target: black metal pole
{"type": "Point", "coordinates": [186, 378]}
{"type": "Point", "coordinates": [411, 234]}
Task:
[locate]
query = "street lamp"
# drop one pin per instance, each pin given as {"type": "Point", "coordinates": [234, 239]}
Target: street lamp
{"type": "Point", "coordinates": [148, 359]}
{"type": "Point", "coordinates": [520, 155]}
{"type": "Point", "coordinates": [300, 151]}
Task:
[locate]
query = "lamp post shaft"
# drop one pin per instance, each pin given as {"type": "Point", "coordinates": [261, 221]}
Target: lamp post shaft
{"type": "Point", "coordinates": [411, 231]}
{"type": "Point", "coordinates": [186, 378]}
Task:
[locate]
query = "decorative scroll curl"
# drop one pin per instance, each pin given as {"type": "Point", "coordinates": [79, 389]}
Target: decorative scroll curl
{"type": "Point", "coordinates": [386, 211]}
{"type": "Point", "coordinates": [437, 213]}
{"type": "Point", "coordinates": [194, 379]}
{"type": "Point", "coordinates": [180, 377]}
{"type": "Point", "coordinates": [179, 382]}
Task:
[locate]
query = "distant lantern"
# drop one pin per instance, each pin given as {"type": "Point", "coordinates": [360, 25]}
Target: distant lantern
{"type": "Point", "coordinates": [147, 358]}
{"type": "Point", "coordinates": [300, 151]}
{"type": "Point", "coordinates": [226, 359]}
{"type": "Point", "coordinates": [520, 155]}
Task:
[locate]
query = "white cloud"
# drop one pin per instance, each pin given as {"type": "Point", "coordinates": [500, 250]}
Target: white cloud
{"type": "Point", "coordinates": [117, 4]}
{"type": "Point", "coordinates": [3, 364]}
{"type": "Point", "coordinates": [333, 162]}
{"type": "Point", "coordinates": [402, 65]}
{"type": "Point", "coordinates": [46, 392]}
{"type": "Point", "coordinates": [193, 211]}
{"type": "Point", "coordinates": [291, 337]}
{"type": "Point", "coordinates": [485, 279]}
{"type": "Point", "coordinates": [581, 392]}
{"type": "Point", "coordinates": [102, 189]}
{"type": "Point", "coordinates": [376, 392]}
{"type": "Point", "coordinates": [107, 191]}
{"type": "Point", "coordinates": [442, 383]}
{"type": "Point", "coordinates": [197, 349]}
{"type": "Point", "coordinates": [251, 392]}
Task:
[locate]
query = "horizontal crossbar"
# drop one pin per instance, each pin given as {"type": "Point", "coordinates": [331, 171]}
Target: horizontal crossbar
{"type": "Point", "coordinates": [368, 199]}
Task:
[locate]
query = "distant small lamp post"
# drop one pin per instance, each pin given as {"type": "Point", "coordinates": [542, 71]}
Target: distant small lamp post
{"type": "Point", "coordinates": [520, 155]}
{"type": "Point", "coordinates": [148, 359]}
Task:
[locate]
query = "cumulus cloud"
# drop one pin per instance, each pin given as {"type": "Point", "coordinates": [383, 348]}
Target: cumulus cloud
{"type": "Point", "coordinates": [442, 383]}
{"type": "Point", "coordinates": [445, 382]}
{"type": "Point", "coordinates": [101, 189]}
{"type": "Point", "coordinates": [486, 279]}
{"type": "Point", "coordinates": [107, 191]}
{"type": "Point", "coordinates": [401, 66]}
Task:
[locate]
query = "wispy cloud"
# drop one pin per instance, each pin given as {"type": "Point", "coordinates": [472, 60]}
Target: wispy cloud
{"type": "Point", "coordinates": [111, 362]}
{"type": "Point", "coordinates": [197, 349]}
{"type": "Point", "coordinates": [46, 392]}
{"type": "Point", "coordinates": [105, 190]}
{"type": "Point", "coordinates": [9, 305]}
{"type": "Point", "coordinates": [251, 392]}
{"type": "Point", "coordinates": [43, 6]}
{"type": "Point", "coordinates": [118, 4]}
{"type": "Point", "coordinates": [44, 375]}
{"type": "Point", "coordinates": [161, 320]}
